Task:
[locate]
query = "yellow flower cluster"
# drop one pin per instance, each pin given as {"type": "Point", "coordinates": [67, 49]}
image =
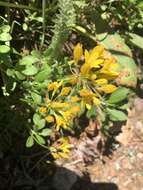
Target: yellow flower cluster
{"type": "Point", "coordinates": [58, 110]}
{"type": "Point", "coordinates": [93, 74]}
{"type": "Point", "coordinates": [61, 149]}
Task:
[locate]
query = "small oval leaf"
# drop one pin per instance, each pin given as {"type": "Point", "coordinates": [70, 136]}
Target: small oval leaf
{"type": "Point", "coordinates": [29, 142]}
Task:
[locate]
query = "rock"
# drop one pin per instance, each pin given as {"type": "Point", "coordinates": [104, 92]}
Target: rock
{"type": "Point", "coordinates": [64, 179]}
{"type": "Point", "coordinates": [140, 155]}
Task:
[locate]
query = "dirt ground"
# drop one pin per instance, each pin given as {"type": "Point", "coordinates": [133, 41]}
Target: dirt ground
{"type": "Point", "coordinates": [122, 167]}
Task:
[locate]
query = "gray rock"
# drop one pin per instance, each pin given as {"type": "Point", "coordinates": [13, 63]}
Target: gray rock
{"type": "Point", "coordinates": [64, 179]}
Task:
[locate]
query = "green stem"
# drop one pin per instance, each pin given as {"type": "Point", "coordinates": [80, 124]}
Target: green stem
{"type": "Point", "coordinates": [20, 6]}
{"type": "Point", "coordinates": [84, 32]}
{"type": "Point", "coordinates": [44, 26]}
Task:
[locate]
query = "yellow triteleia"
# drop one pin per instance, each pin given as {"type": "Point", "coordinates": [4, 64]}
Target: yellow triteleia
{"type": "Point", "coordinates": [86, 93]}
{"type": "Point", "coordinates": [78, 52]}
{"type": "Point", "coordinates": [88, 106]}
{"type": "Point", "coordinates": [74, 110]}
{"type": "Point", "coordinates": [49, 119]}
{"type": "Point", "coordinates": [109, 88]}
{"type": "Point", "coordinates": [65, 91]}
{"type": "Point", "coordinates": [93, 76]}
{"type": "Point", "coordinates": [73, 79]}
{"type": "Point", "coordinates": [74, 99]}
{"type": "Point", "coordinates": [96, 63]}
{"type": "Point", "coordinates": [42, 109]}
{"type": "Point", "coordinates": [61, 150]}
{"type": "Point", "coordinates": [109, 69]}
{"type": "Point", "coordinates": [85, 68]}
{"type": "Point", "coordinates": [52, 86]}
{"type": "Point", "coordinates": [60, 122]}
{"type": "Point", "coordinates": [86, 56]}
{"type": "Point", "coordinates": [96, 101]}
{"type": "Point", "coordinates": [70, 114]}
{"type": "Point", "coordinates": [101, 81]}
{"type": "Point", "coordinates": [58, 105]}
{"type": "Point", "coordinates": [95, 54]}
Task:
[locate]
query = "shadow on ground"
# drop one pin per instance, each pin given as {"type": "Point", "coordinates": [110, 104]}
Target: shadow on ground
{"type": "Point", "coordinates": [47, 178]}
{"type": "Point", "coordinates": [65, 179]}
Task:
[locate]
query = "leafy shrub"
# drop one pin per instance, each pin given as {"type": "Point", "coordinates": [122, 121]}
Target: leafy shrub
{"type": "Point", "coordinates": [57, 87]}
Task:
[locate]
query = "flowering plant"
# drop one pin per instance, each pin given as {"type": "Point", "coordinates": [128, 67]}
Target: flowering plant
{"type": "Point", "coordinates": [83, 89]}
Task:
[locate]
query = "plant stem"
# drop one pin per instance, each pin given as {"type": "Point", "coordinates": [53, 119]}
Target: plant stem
{"type": "Point", "coordinates": [19, 6]}
{"type": "Point", "coordinates": [43, 25]}
{"type": "Point", "coordinates": [84, 32]}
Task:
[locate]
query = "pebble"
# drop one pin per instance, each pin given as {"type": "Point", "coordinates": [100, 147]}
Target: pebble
{"type": "Point", "coordinates": [140, 155]}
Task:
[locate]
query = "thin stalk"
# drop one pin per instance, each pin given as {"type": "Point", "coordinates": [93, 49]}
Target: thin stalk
{"type": "Point", "coordinates": [43, 25]}
{"type": "Point", "coordinates": [84, 32]}
{"type": "Point", "coordinates": [19, 6]}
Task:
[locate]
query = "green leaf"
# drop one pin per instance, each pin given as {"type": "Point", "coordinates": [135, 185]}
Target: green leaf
{"type": "Point", "coordinates": [91, 113]}
{"type": "Point", "coordinates": [28, 60]}
{"type": "Point", "coordinates": [10, 72]}
{"type": "Point", "coordinates": [116, 115]}
{"type": "Point", "coordinates": [46, 132]}
{"type": "Point", "coordinates": [25, 27]}
{"type": "Point", "coordinates": [36, 118]}
{"type": "Point", "coordinates": [40, 123]}
{"type": "Point", "coordinates": [136, 40]}
{"type": "Point", "coordinates": [119, 95]}
{"type": "Point", "coordinates": [5, 28]}
{"type": "Point", "coordinates": [124, 106]}
{"type": "Point", "coordinates": [4, 49]}
{"type": "Point", "coordinates": [19, 75]}
{"type": "Point", "coordinates": [140, 5]}
{"type": "Point", "coordinates": [40, 139]}
{"type": "Point", "coordinates": [30, 70]}
{"type": "Point", "coordinates": [29, 142]}
{"type": "Point", "coordinates": [5, 37]}
{"type": "Point", "coordinates": [43, 75]}
{"type": "Point", "coordinates": [115, 44]}
{"type": "Point", "coordinates": [36, 97]}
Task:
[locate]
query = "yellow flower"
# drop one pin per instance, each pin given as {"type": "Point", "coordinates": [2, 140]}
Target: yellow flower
{"type": "Point", "coordinates": [86, 93]}
{"type": "Point", "coordinates": [73, 79]}
{"type": "Point", "coordinates": [42, 109]}
{"type": "Point", "coordinates": [62, 150]}
{"type": "Point", "coordinates": [89, 98]}
{"type": "Point", "coordinates": [92, 60]}
{"type": "Point", "coordinates": [78, 52]}
{"type": "Point", "coordinates": [109, 88]}
{"type": "Point", "coordinates": [96, 101]}
{"type": "Point", "coordinates": [65, 91]}
{"type": "Point", "coordinates": [59, 105]}
{"type": "Point", "coordinates": [88, 106]}
{"type": "Point", "coordinates": [109, 69]}
{"type": "Point", "coordinates": [94, 54]}
{"type": "Point", "coordinates": [93, 77]}
{"type": "Point", "coordinates": [101, 81]}
{"type": "Point", "coordinates": [74, 110]}
{"type": "Point", "coordinates": [71, 113]}
{"type": "Point", "coordinates": [74, 99]}
{"type": "Point", "coordinates": [52, 86]}
{"type": "Point", "coordinates": [49, 119]}
{"type": "Point", "coordinates": [60, 122]}
{"type": "Point", "coordinates": [86, 67]}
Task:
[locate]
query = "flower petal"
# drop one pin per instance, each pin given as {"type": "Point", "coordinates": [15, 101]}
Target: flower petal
{"type": "Point", "coordinates": [78, 52]}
